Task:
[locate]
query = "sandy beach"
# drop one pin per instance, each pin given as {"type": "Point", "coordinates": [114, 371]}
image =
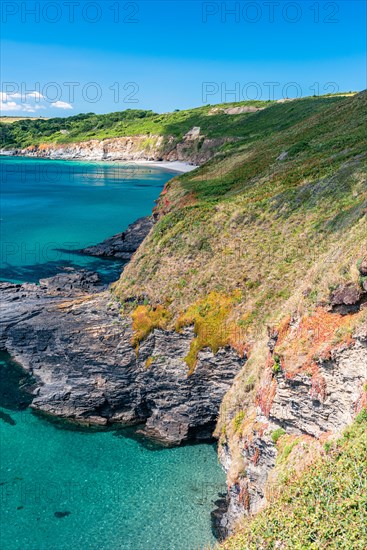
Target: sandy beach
{"type": "Point", "coordinates": [174, 166]}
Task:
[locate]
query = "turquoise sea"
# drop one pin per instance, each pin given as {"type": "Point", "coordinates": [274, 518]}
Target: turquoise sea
{"type": "Point", "coordinates": [64, 488]}
{"type": "Point", "coordinates": [49, 206]}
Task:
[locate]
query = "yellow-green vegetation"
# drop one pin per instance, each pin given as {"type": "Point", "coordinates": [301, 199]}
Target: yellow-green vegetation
{"type": "Point", "coordinates": [146, 318]}
{"type": "Point", "coordinates": [285, 448]}
{"type": "Point", "coordinates": [326, 507]}
{"type": "Point", "coordinates": [262, 233]}
{"type": "Point", "coordinates": [237, 421]}
{"type": "Point", "coordinates": [148, 362]}
{"type": "Point", "coordinates": [211, 317]}
{"type": "Point", "coordinates": [277, 434]}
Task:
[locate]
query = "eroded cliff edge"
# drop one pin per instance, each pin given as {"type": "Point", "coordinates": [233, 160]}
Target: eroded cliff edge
{"type": "Point", "coordinates": [287, 425]}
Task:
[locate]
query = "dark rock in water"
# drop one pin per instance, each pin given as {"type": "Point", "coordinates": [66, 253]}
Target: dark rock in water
{"type": "Point", "coordinates": [78, 348]}
{"type": "Point", "coordinates": [7, 418]}
{"type": "Point", "coordinates": [123, 245]}
{"type": "Point", "coordinates": [20, 507]}
{"type": "Point", "coordinates": [15, 385]}
{"type": "Point", "coordinates": [61, 514]}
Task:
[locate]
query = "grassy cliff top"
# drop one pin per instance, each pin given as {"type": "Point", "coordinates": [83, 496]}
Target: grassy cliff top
{"type": "Point", "coordinates": [213, 121]}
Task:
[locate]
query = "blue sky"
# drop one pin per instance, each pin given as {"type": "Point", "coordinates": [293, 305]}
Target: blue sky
{"type": "Point", "coordinates": [164, 55]}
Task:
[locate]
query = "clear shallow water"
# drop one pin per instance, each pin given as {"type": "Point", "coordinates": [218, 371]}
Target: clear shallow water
{"type": "Point", "coordinates": [119, 495]}
{"type": "Point", "coordinates": [50, 205]}
{"type": "Point", "coordinates": [112, 491]}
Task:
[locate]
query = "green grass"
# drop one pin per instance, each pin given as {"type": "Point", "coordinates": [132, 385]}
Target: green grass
{"type": "Point", "coordinates": [324, 508]}
{"type": "Point", "coordinates": [248, 126]}
{"type": "Point", "coordinates": [277, 434]}
{"type": "Point", "coordinates": [312, 136]}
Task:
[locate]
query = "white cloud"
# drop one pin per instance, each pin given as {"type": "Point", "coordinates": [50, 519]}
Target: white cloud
{"type": "Point", "coordinates": [28, 108]}
{"type": "Point", "coordinates": [35, 94]}
{"type": "Point", "coordinates": [29, 103]}
{"type": "Point", "coordinates": [61, 105]}
{"type": "Point", "coordinates": [9, 106]}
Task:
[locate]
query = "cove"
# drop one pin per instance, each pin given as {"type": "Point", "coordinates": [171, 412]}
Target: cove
{"type": "Point", "coordinates": [67, 488]}
{"type": "Point", "coordinates": [48, 205]}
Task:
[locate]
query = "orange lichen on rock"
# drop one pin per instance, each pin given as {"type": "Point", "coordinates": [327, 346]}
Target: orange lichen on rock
{"type": "Point", "coordinates": [362, 399]}
{"type": "Point", "coordinates": [256, 456]}
{"type": "Point", "coordinates": [301, 345]}
{"type": "Point", "coordinates": [266, 392]}
{"type": "Point", "coordinates": [44, 147]}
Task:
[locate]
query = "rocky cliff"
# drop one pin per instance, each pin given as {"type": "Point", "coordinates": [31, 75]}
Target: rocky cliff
{"type": "Point", "coordinates": [264, 250]}
{"type": "Point", "coordinates": [301, 409]}
{"type": "Point", "coordinates": [193, 148]}
{"type": "Point", "coordinates": [71, 337]}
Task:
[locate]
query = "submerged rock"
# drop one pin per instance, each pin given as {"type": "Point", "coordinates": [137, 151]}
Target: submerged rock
{"type": "Point", "coordinates": [61, 514]}
{"type": "Point", "coordinates": [7, 418]}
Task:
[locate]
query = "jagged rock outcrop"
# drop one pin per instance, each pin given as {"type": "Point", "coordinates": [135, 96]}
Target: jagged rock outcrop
{"type": "Point", "coordinates": [347, 298]}
{"type": "Point", "coordinates": [311, 387]}
{"type": "Point", "coordinates": [123, 245]}
{"type": "Point", "coordinates": [73, 340]}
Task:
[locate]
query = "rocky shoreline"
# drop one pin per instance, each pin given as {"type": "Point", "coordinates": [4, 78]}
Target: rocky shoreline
{"type": "Point", "coordinates": [69, 334]}
{"type": "Point", "coordinates": [123, 245]}
{"type": "Point", "coordinates": [73, 340]}
{"type": "Point", "coordinates": [193, 149]}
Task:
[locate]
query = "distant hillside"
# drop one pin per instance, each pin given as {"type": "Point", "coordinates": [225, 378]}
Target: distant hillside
{"type": "Point", "coordinates": [214, 122]}
{"type": "Point", "coordinates": [12, 119]}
